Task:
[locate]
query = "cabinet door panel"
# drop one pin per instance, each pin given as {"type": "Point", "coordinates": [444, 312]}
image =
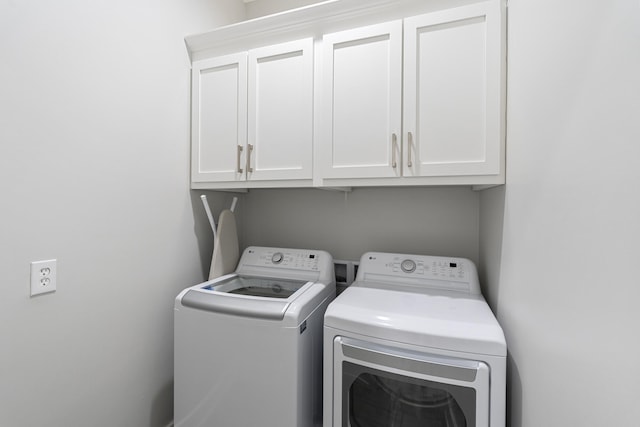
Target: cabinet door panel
{"type": "Point", "coordinates": [362, 102]}
{"type": "Point", "coordinates": [219, 117]}
{"type": "Point", "coordinates": [452, 97]}
{"type": "Point", "coordinates": [281, 111]}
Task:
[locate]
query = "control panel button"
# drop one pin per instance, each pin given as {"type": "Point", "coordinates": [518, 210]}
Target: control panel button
{"type": "Point", "coordinates": [277, 258]}
{"type": "Point", "coordinates": [408, 266]}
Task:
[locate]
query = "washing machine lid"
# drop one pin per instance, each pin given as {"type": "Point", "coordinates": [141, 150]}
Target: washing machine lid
{"type": "Point", "coordinates": [256, 297]}
{"type": "Point", "coordinates": [258, 286]}
{"type": "Point", "coordinates": [440, 320]}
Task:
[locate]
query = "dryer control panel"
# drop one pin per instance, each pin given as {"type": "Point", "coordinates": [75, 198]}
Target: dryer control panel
{"type": "Point", "coordinates": [447, 273]}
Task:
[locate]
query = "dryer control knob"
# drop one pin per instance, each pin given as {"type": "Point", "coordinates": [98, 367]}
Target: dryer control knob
{"type": "Point", "coordinates": [408, 266]}
{"type": "Point", "coordinates": [277, 258]}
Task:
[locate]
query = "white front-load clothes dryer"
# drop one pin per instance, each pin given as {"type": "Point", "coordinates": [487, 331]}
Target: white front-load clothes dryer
{"type": "Point", "coordinates": [248, 345]}
{"type": "Point", "coordinates": [412, 343]}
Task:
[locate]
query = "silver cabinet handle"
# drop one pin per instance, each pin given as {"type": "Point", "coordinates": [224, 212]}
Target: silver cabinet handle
{"type": "Point", "coordinates": [394, 145]}
{"type": "Point", "coordinates": [238, 168]}
{"type": "Point", "coordinates": [249, 168]}
{"type": "Point", "coordinates": [409, 144]}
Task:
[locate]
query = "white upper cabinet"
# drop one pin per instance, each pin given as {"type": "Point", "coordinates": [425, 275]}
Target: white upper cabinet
{"type": "Point", "coordinates": [218, 117]}
{"type": "Point", "coordinates": [419, 99]}
{"type": "Point", "coordinates": [352, 93]}
{"type": "Point", "coordinates": [362, 102]}
{"type": "Point", "coordinates": [252, 116]}
{"type": "Point", "coordinates": [280, 131]}
{"type": "Point", "coordinates": [452, 94]}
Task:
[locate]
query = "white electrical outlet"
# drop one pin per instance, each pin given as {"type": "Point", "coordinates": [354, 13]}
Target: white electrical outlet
{"type": "Point", "coordinates": [43, 276]}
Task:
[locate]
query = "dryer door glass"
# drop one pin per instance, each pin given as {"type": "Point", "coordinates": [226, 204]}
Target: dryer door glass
{"type": "Point", "coordinates": [381, 386]}
{"type": "Point", "coordinates": [382, 399]}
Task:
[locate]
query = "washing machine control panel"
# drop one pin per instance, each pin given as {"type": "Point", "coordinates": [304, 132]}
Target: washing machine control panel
{"type": "Point", "coordinates": [276, 258]}
{"type": "Point", "coordinates": [441, 272]}
{"type": "Point", "coordinates": [288, 259]}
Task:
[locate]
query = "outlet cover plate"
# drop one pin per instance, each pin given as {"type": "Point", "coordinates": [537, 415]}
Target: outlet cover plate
{"type": "Point", "coordinates": [43, 276]}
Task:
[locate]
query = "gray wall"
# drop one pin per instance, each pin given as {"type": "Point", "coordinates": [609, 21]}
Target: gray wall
{"type": "Point", "coordinates": [257, 8]}
{"type": "Point", "coordinates": [94, 160]}
{"type": "Point", "coordinates": [435, 221]}
{"type": "Point", "coordinates": [560, 242]}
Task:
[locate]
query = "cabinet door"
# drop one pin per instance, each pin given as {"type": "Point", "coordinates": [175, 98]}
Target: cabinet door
{"type": "Point", "coordinates": [219, 118]}
{"type": "Point", "coordinates": [452, 92]}
{"type": "Point", "coordinates": [362, 102]}
{"type": "Point", "coordinates": [280, 122]}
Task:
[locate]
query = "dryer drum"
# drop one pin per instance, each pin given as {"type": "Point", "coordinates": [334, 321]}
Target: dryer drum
{"type": "Point", "coordinates": [376, 401]}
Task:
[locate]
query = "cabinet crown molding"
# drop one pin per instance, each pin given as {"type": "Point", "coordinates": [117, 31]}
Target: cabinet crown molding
{"type": "Point", "coordinates": [308, 21]}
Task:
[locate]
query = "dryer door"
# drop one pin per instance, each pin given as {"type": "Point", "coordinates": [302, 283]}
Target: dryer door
{"type": "Point", "coordinates": [380, 386]}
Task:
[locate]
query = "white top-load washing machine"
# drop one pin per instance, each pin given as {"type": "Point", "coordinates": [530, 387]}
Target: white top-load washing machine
{"type": "Point", "coordinates": [248, 345]}
{"type": "Point", "coordinates": [413, 343]}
